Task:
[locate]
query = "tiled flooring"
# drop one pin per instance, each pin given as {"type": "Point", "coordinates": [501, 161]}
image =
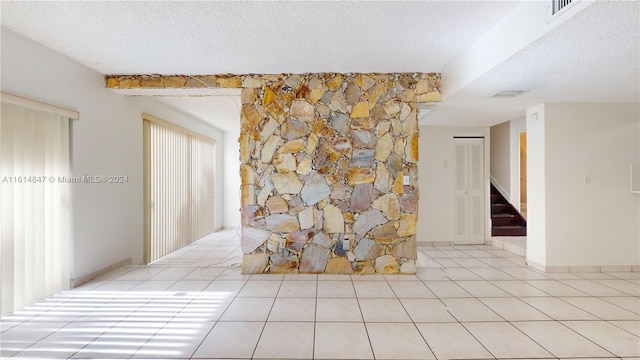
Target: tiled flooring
{"type": "Point", "coordinates": [467, 302]}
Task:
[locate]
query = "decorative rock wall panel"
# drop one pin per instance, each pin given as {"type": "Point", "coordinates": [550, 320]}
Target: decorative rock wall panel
{"type": "Point", "coordinates": [335, 148]}
{"type": "Point", "coordinates": [323, 161]}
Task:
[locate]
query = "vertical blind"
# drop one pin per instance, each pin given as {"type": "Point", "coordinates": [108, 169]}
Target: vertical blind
{"type": "Point", "coordinates": [179, 187]}
{"type": "Point", "coordinates": [35, 212]}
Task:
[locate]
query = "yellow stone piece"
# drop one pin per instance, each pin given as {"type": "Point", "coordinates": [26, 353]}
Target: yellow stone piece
{"type": "Point", "coordinates": [335, 83]}
{"type": "Point", "coordinates": [268, 97]}
{"type": "Point", "coordinates": [229, 82]}
{"type": "Point", "coordinates": [129, 83]}
{"type": "Point", "coordinates": [304, 167]}
{"type": "Point", "coordinates": [360, 109]}
{"type": "Point", "coordinates": [312, 142]}
{"type": "Point", "coordinates": [397, 184]}
{"type": "Point", "coordinates": [250, 118]}
{"type": "Point", "coordinates": [398, 148]}
{"type": "Point", "coordinates": [287, 97]}
{"type": "Point", "coordinates": [411, 151]}
{"type": "Point", "coordinates": [112, 82]}
{"type": "Point", "coordinates": [248, 96]}
{"type": "Point", "coordinates": [247, 195]}
{"type": "Point", "coordinates": [245, 147]}
{"type": "Point", "coordinates": [248, 175]}
{"type": "Point", "coordinates": [407, 225]}
{"type": "Point", "coordinates": [207, 80]}
{"type": "Point", "coordinates": [376, 92]}
{"type": "Point", "coordinates": [360, 175]}
{"type": "Point", "coordinates": [422, 86]}
{"type": "Point", "coordinates": [430, 97]}
{"type": "Point", "coordinates": [152, 82]}
{"type": "Point", "coordinates": [365, 82]}
{"type": "Point", "coordinates": [276, 111]}
{"type": "Point", "coordinates": [316, 94]}
{"type": "Point", "coordinates": [338, 265]}
{"type": "Point", "coordinates": [292, 146]}
{"type": "Point", "coordinates": [174, 82]}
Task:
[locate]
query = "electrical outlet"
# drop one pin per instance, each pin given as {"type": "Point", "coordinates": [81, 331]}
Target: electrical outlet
{"type": "Point", "coordinates": [587, 179]}
{"type": "Point", "coordinates": [405, 180]}
{"type": "Point", "coordinates": [345, 244]}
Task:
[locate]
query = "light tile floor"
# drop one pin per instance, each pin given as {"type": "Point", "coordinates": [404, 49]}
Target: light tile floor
{"type": "Point", "coordinates": [465, 302]}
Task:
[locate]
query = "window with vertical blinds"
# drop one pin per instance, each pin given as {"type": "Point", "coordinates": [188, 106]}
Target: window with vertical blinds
{"type": "Point", "coordinates": [179, 187]}
{"type": "Point", "coordinates": [35, 214]}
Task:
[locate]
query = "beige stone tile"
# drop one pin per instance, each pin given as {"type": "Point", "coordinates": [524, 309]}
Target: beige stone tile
{"type": "Point", "coordinates": [519, 288]}
{"type": "Point", "coordinates": [491, 274]}
{"type": "Point", "coordinates": [560, 340]}
{"type": "Point", "coordinates": [411, 290]}
{"type": "Point", "coordinates": [558, 309]}
{"type": "Point", "coordinates": [452, 341]}
{"type": "Point", "coordinates": [513, 309]}
{"type": "Point", "coordinates": [624, 286]}
{"type": "Point", "coordinates": [248, 309]}
{"type": "Point", "coordinates": [297, 342]}
{"type": "Point", "coordinates": [302, 288]}
{"type": "Point", "coordinates": [447, 289]}
{"type": "Point", "coordinates": [383, 310]}
{"type": "Point", "coordinates": [293, 309]}
{"type": "Point", "coordinates": [632, 326]}
{"type": "Point", "coordinates": [336, 289]}
{"type": "Point", "coordinates": [482, 288]}
{"type": "Point", "coordinates": [331, 309]}
{"type": "Point", "coordinates": [626, 302]}
{"type": "Point", "coordinates": [460, 274]}
{"type": "Point", "coordinates": [373, 289]}
{"type": "Point", "coordinates": [397, 341]}
{"type": "Point", "coordinates": [503, 340]}
{"type": "Point", "coordinates": [260, 289]}
{"type": "Point", "coordinates": [555, 288]}
{"type": "Point", "coordinates": [615, 340]}
{"type": "Point", "coordinates": [593, 288]}
{"type": "Point", "coordinates": [601, 308]}
{"type": "Point", "coordinates": [352, 337]}
{"type": "Point", "coordinates": [427, 310]}
{"type": "Point", "coordinates": [230, 340]}
{"type": "Point", "coordinates": [470, 310]}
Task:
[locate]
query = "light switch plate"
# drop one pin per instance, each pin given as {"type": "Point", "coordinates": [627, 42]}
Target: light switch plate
{"type": "Point", "coordinates": [405, 180]}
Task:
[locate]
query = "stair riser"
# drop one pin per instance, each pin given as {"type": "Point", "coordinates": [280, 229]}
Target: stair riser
{"type": "Point", "coordinates": [501, 221]}
{"type": "Point", "coordinates": [509, 232]}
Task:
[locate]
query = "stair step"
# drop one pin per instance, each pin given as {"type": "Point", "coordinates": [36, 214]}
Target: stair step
{"type": "Point", "coordinates": [509, 230]}
{"type": "Point", "coordinates": [504, 219]}
{"type": "Point", "coordinates": [499, 208]}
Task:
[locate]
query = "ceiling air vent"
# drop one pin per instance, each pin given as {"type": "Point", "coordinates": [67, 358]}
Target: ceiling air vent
{"type": "Point", "coordinates": [557, 5]}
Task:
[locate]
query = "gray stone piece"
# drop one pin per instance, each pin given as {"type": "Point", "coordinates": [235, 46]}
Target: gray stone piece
{"type": "Point", "coordinates": [252, 238]}
{"type": "Point", "coordinates": [314, 259]}
{"type": "Point", "coordinates": [362, 157]}
{"type": "Point", "coordinates": [315, 189]}
{"type": "Point", "coordinates": [367, 220]}
{"type": "Point", "coordinates": [366, 249]}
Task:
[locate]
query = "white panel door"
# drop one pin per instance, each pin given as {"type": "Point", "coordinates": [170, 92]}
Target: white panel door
{"type": "Point", "coordinates": [469, 191]}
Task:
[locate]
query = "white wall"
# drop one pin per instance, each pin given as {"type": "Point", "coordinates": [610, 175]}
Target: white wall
{"type": "Point", "coordinates": [586, 223]}
{"type": "Point", "coordinates": [231, 178]}
{"type": "Point", "coordinates": [536, 186]}
{"type": "Point", "coordinates": [107, 140]}
{"type": "Point", "coordinates": [501, 158]}
{"type": "Point", "coordinates": [516, 127]}
{"type": "Point", "coordinates": [436, 181]}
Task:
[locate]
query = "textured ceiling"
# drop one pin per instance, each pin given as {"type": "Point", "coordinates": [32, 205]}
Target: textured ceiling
{"type": "Point", "coordinates": [593, 57]}
{"type": "Point", "coordinates": [256, 37]}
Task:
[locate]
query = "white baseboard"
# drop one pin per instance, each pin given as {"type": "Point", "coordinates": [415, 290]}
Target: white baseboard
{"type": "Point", "coordinates": [79, 280]}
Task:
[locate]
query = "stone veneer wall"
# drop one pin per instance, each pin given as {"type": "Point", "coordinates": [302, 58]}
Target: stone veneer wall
{"type": "Point", "coordinates": [323, 158]}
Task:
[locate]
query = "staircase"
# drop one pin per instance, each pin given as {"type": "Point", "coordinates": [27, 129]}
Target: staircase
{"type": "Point", "coordinates": [505, 219]}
